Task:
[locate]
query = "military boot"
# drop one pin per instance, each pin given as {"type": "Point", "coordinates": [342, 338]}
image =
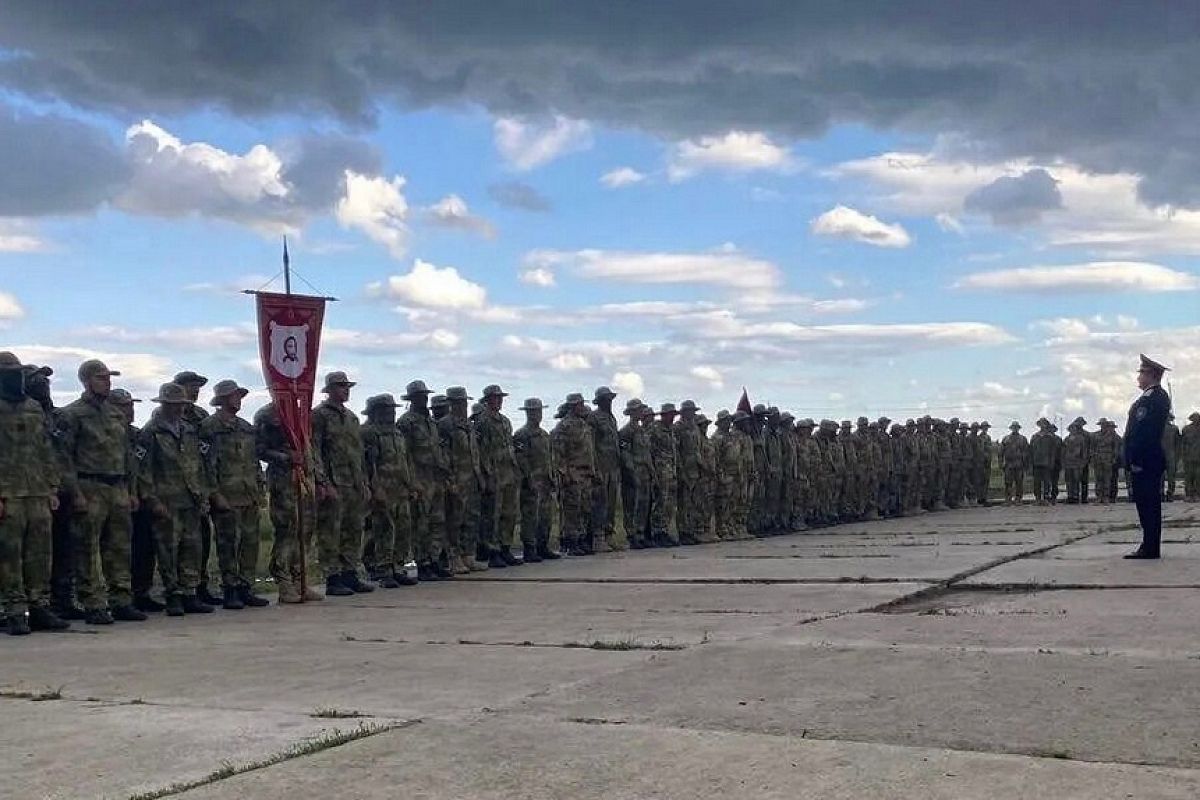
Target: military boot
{"type": "Point", "coordinates": [457, 565]}
{"type": "Point", "coordinates": [311, 595]}
{"type": "Point", "coordinates": [250, 599]}
{"type": "Point", "coordinates": [144, 602]}
{"type": "Point", "coordinates": [530, 554]}
{"type": "Point", "coordinates": [356, 584]}
{"type": "Point", "coordinates": [194, 605]}
{"type": "Point", "coordinates": [43, 619]}
{"type": "Point", "coordinates": [544, 551]}
{"type": "Point", "coordinates": [335, 588]}
{"type": "Point", "coordinates": [70, 611]}
{"type": "Point", "coordinates": [288, 593]}
{"type": "Point", "coordinates": [207, 597]}
{"type": "Point", "coordinates": [18, 625]}
{"type": "Point", "coordinates": [441, 570]}
{"type": "Point", "coordinates": [127, 614]}
{"type": "Point", "coordinates": [384, 580]}
{"type": "Point", "coordinates": [97, 616]}
{"type": "Point", "coordinates": [495, 561]}
{"type": "Point", "coordinates": [478, 564]}
{"type": "Point", "coordinates": [174, 606]}
{"type": "Point", "coordinates": [509, 558]}
{"type": "Point", "coordinates": [232, 601]}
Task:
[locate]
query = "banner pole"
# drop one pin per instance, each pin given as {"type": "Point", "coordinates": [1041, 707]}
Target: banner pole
{"type": "Point", "coordinates": [298, 476]}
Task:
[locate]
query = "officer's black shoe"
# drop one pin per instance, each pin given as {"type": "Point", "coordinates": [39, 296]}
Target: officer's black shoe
{"type": "Point", "coordinates": [250, 599]}
{"type": "Point", "coordinates": [174, 606]}
{"type": "Point", "coordinates": [97, 616]}
{"type": "Point", "coordinates": [335, 588]}
{"type": "Point", "coordinates": [404, 579]}
{"type": "Point", "coordinates": [71, 612]}
{"type": "Point", "coordinates": [192, 604]}
{"type": "Point", "coordinates": [43, 619]}
{"type": "Point", "coordinates": [354, 583]}
{"type": "Point", "coordinates": [386, 582]}
{"type": "Point", "coordinates": [18, 625]}
{"type": "Point", "coordinates": [232, 600]}
{"type": "Point", "coordinates": [530, 555]}
{"type": "Point", "coordinates": [509, 558]}
{"type": "Point", "coordinates": [546, 554]}
{"type": "Point", "coordinates": [207, 597]}
{"type": "Point", "coordinates": [127, 614]}
{"type": "Point", "coordinates": [144, 602]}
{"type": "Point", "coordinates": [1141, 554]}
{"type": "Point", "coordinates": [494, 561]}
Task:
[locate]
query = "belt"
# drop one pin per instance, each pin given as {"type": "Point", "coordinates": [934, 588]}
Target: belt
{"type": "Point", "coordinates": [111, 480]}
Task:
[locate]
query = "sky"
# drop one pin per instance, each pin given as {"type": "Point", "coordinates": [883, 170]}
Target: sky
{"type": "Point", "coordinates": [962, 209]}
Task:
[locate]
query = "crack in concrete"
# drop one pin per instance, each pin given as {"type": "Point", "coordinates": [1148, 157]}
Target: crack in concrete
{"type": "Point", "coordinates": [862, 579]}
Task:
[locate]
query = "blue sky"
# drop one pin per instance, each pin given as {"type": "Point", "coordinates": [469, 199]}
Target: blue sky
{"type": "Point", "coordinates": [858, 267]}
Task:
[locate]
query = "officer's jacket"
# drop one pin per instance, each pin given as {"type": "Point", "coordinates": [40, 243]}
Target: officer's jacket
{"type": "Point", "coordinates": [230, 459]}
{"type": "Point", "coordinates": [169, 464]}
{"type": "Point", "coordinates": [28, 464]}
{"type": "Point", "coordinates": [1144, 430]}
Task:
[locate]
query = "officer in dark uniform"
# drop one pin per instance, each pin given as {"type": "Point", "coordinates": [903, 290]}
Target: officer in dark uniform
{"type": "Point", "coordinates": [1144, 458]}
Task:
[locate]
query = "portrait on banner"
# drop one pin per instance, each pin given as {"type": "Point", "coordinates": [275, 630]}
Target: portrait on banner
{"type": "Point", "coordinates": [289, 349]}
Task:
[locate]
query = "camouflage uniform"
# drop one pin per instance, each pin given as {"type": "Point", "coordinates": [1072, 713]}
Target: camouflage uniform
{"type": "Point", "coordinates": [29, 478]}
{"type": "Point", "coordinates": [743, 425]}
{"type": "Point", "coordinates": [773, 482]}
{"type": "Point", "coordinates": [498, 466]}
{"type": "Point", "coordinates": [728, 476]}
{"type": "Point", "coordinates": [983, 465]}
{"type": "Point", "coordinates": [808, 461]}
{"type": "Point", "coordinates": [708, 470]}
{"type": "Point", "coordinates": [1189, 445]}
{"type": "Point", "coordinates": [340, 516]}
{"type": "Point", "coordinates": [535, 464]}
{"type": "Point", "coordinates": [460, 443]}
{"type": "Point", "coordinates": [637, 474]}
{"type": "Point", "coordinates": [663, 504]}
{"type": "Point", "coordinates": [291, 489]}
{"type": "Point", "coordinates": [430, 471]}
{"type": "Point", "coordinates": [389, 476]}
{"type": "Point", "coordinates": [689, 492]}
{"type": "Point", "coordinates": [234, 477]}
{"type": "Point", "coordinates": [835, 460]}
{"type": "Point", "coordinates": [1041, 458]}
{"type": "Point", "coordinates": [1105, 456]}
{"type": "Point", "coordinates": [608, 474]}
{"type": "Point", "coordinates": [1014, 457]}
{"type": "Point", "coordinates": [787, 483]}
{"type": "Point", "coordinates": [868, 469]}
{"type": "Point", "coordinates": [575, 460]}
{"type": "Point", "coordinates": [1170, 447]}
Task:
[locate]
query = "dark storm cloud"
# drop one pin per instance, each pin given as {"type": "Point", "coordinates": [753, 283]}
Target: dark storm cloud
{"type": "Point", "coordinates": [1016, 200]}
{"type": "Point", "coordinates": [1108, 86]}
{"type": "Point", "coordinates": [515, 194]}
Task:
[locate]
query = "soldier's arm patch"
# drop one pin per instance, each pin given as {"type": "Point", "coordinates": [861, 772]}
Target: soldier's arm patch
{"type": "Point", "coordinates": [204, 448]}
{"type": "Point", "coordinates": [139, 452]}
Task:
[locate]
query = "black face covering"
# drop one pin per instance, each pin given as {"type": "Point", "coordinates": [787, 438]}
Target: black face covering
{"type": "Point", "coordinates": [12, 385]}
{"type": "Point", "coordinates": [38, 387]}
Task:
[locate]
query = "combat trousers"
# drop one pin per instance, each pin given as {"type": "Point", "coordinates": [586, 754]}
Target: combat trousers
{"type": "Point", "coordinates": [206, 543]}
{"type": "Point", "coordinates": [391, 537]}
{"type": "Point", "coordinates": [102, 531]}
{"type": "Point", "coordinates": [1014, 484]}
{"type": "Point", "coordinates": [177, 540]}
{"type": "Point", "coordinates": [1073, 476]}
{"type": "Point", "coordinates": [575, 502]}
{"type": "Point", "coordinates": [340, 531]}
{"type": "Point", "coordinates": [1104, 479]}
{"type": "Point", "coordinates": [462, 518]}
{"type": "Point", "coordinates": [982, 481]}
{"type": "Point", "coordinates": [293, 524]}
{"type": "Point", "coordinates": [429, 520]}
{"type": "Point", "coordinates": [604, 505]}
{"type": "Point", "coordinates": [635, 506]}
{"type": "Point", "coordinates": [143, 559]}
{"type": "Point", "coordinates": [536, 509]}
{"type": "Point", "coordinates": [499, 509]}
{"type": "Point", "coordinates": [1191, 480]}
{"type": "Point", "coordinates": [662, 510]}
{"type": "Point", "coordinates": [1041, 483]}
{"type": "Point", "coordinates": [25, 554]}
{"type": "Point", "coordinates": [913, 482]}
{"type": "Point", "coordinates": [1055, 474]}
{"type": "Point", "coordinates": [237, 545]}
{"type": "Point", "coordinates": [1169, 478]}
{"type": "Point", "coordinates": [689, 510]}
{"type": "Point", "coordinates": [726, 511]}
{"type": "Point", "coordinates": [63, 575]}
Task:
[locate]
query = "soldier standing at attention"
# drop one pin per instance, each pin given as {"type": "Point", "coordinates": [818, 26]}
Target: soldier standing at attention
{"type": "Point", "coordinates": [608, 472]}
{"type": "Point", "coordinates": [743, 432]}
{"type": "Point", "coordinates": [728, 476]}
{"type": "Point", "coordinates": [430, 472]}
{"type": "Point", "coordinates": [1074, 459]}
{"type": "Point", "coordinates": [1056, 467]}
{"type": "Point", "coordinates": [636, 474]}
{"type": "Point", "coordinates": [1014, 457]}
{"type": "Point", "coordinates": [983, 469]}
{"type": "Point", "coordinates": [576, 464]}
{"type": "Point", "coordinates": [1105, 453]}
{"type": "Point", "coordinates": [498, 467]}
{"type": "Point", "coordinates": [142, 558]}
{"type": "Point", "coordinates": [292, 505]}
{"type": "Point", "coordinates": [708, 468]}
{"type": "Point", "coordinates": [98, 464]}
{"type": "Point", "coordinates": [1144, 457]}
{"type": "Point", "coordinates": [390, 482]}
{"type": "Point", "coordinates": [787, 483]}
{"type": "Point", "coordinates": [1170, 446]}
{"type": "Point", "coordinates": [535, 461]}
{"type": "Point", "coordinates": [341, 489]}
{"type": "Point", "coordinates": [687, 474]}
{"type": "Point", "coordinates": [172, 486]}
{"type": "Point", "coordinates": [663, 454]}
{"type": "Point", "coordinates": [1041, 457]}
{"type": "Point", "coordinates": [29, 478]}
{"type": "Point", "coordinates": [194, 414]}
{"type": "Point", "coordinates": [1189, 442]}
{"type": "Point", "coordinates": [235, 480]}
{"type": "Point", "coordinates": [461, 447]}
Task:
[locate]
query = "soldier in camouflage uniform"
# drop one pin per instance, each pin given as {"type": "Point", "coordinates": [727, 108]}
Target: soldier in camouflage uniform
{"type": "Point", "coordinates": [389, 478]}
{"type": "Point", "coordinates": [498, 467]}
{"type": "Point", "coordinates": [194, 414]}
{"type": "Point", "coordinates": [172, 485]}
{"type": "Point", "coordinates": [689, 491]}
{"type": "Point", "coordinates": [727, 478]}
{"type": "Point", "coordinates": [98, 466]}
{"type": "Point", "coordinates": [868, 466]}
{"type": "Point", "coordinates": [1014, 458]}
{"type": "Point", "coordinates": [431, 470]}
{"type": "Point", "coordinates": [744, 431]}
{"type": "Point", "coordinates": [574, 458]}
{"type": "Point", "coordinates": [1105, 456]}
{"type": "Point", "coordinates": [885, 495]}
{"type": "Point", "coordinates": [1189, 445]}
{"type": "Point", "coordinates": [808, 478]}
{"type": "Point", "coordinates": [1076, 449]}
{"type": "Point", "coordinates": [142, 558]}
{"type": "Point", "coordinates": [772, 477]}
{"type": "Point", "coordinates": [637, 474]}
{"type": "Point", "coordinates": [983, 467]}
{"type": "Point", "coordinates": [1041, 458]}
{"type": "Point", "coordinates": [29, 478]}
{"type": "Point", "coordinates": [341, 489]}
{"type": "Point", "coordinates": [833, 472]}
{"type": "Point", "coordinates": [664, 498]}
{"type": "Point", "coordinates": [787, 482]}
{"type": "Point", "coordinates": [460, 443]}
{"type": "Point", "coordinates": [1170, 448]}
{"type": "Point", "coordinates": [608, 472]}
{"type": "Point", "coordinates": [708, 469]}
{"type": "Point", "coordinates": [291, 488]}
{"type": "Point", "coordinates": [235, 480]}
{"type": "Point", "coordinates": [848, 511]}
{"type": "Point", "coordinates": [537, 471]}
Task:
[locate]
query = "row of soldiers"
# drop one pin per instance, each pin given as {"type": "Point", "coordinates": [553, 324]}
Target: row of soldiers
{"type": "Point", "coordinates": [445, 488]}
{"type": "Point", "coordinates": [1051, 460]}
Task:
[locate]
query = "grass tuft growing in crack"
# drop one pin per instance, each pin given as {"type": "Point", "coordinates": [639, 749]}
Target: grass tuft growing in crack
{"type": "Point", "coordinates": [336, 713]}
{"type": "Point", "coordinates": [35, 696]}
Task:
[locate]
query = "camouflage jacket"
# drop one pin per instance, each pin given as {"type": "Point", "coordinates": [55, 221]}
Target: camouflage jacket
{"type": "Point", "coordinates": [386, 461]}
{"type": "Point", "coordinates": [633, 441]}
{"type": "Point", "coordinates": [497, 461]}
{"type": "Point", "coordinates": [662, 450]}
{"type": "Point", "coordinates": [91, 438]}
{"type": "Point", "coordinates": [170, 468]}
{"type": "Point", "coordinates": [728, 458]}
{"type": "Point", "coordinates": [1014, 451]}
{"type": "Point", "coordinates": [574, 459]}
{"type": "Point", "coordinates": [338, 442]}
{"type": "Point", "coordinates": [28, 464]}
{"type": "Point", "coordinates": [230, 459]}
{"type": "Point", "coordinates": [687, 451]}
{"type": "Point", "coordinates": [773, 451]}
{"type": "Point", "coordinates": [535, 456]}
{"type": "Point", "coordinates": [1189, 440]}
{"type": "Point", "coordinates": [271, 445]}
{"type": "Point", "coordinates": [424, 446]}
{"type": "Point", "coordinates": [1042, 449]}
{"type": "Point", "coordinates": [1075, 450]}
{"type": "Point", "coordinates": [460, 444]}
{"type": "Point", "coordinates": [1106, 448]}
{"type": "Point", "coordinates": [604, 440]}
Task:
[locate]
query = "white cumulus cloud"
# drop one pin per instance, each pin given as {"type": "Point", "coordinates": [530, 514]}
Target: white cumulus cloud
{"type": "Point", "coordinates": [726, 267]}
{"type": "Point", "coordinates": [10, 309]}
{"type": "Point", "coordinates": [433, 287]}
{"type": "Point", "coordinates": [538, 276]}
{"type": "Point", "coordinates": [628, 383]}
{"type": "Point", "coordinates": [844, 222]}
{"type": "Point", "coordinates": [569, 362]}
{"type": "Point", "coordinates": [452, 212]}
{"type": "Point", "coordinates": [708, 374]}
{"type": "Point", "coordinates": [1096, 276]}
{"type": "Point", "coordinates": [527, 144]}
{"type": "Point", "coordinates": [376, 207]}
{"type": "Point", "coordinates": [621, 177]}
{"type": "Point", "coordinates": [736, 151]}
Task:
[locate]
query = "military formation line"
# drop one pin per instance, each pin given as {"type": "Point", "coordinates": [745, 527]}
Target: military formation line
{"type": "Point", "coordinates": [91, 506]}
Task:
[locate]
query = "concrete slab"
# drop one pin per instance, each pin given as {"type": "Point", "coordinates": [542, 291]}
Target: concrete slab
{"type": "Point", "coordinates": [545, 760]}
{"type": "Point", "coordinates": [1094, 562]}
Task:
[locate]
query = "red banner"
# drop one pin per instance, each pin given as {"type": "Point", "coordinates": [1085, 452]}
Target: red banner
{"type": "Point", "coordinates": [289, 341]}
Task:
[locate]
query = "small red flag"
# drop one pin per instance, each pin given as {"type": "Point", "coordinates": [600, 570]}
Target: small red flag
{"type": "Point", "coordinates": [744, 403]}
{"type": "Point", "coordinates": [289, 335]}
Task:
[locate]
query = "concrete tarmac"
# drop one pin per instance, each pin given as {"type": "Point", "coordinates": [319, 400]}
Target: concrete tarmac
{"type": "Point", "coordinates": [982, 653]}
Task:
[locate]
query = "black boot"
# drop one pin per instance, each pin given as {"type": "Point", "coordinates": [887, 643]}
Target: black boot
{"type": "Point", "coordinates": [404, 579]}
{"type": "Point", "coordinates": [18, 625]}
{"type": "Point", "coordinates": [232, 600]}
{"type": "Point", "coordinates": [495, 561]}
{"type": "Point", "coordinates": [335, 588]}
{"type": "Point", "coordinates": [127, 614]}
{"type": "Point", "coordinates": [385, 580]}
{"type": "Point", "coordinates": [174, 606]}
{"type": "Point", "coordinates": [530, 554]}
{"type": "Point", "coordinates": [97, 616]}
{"type": "Point", "coordinates": [194, 605]}
{"type": "Point", "coordinates": [441, 571]}
{"type": "Point", "coordinates": [43, 619]}
{"type": "Point", "coordinates": [250, 599]}
{"type": "Point", "coordinates": [70, 611]}
{"type": "Point", "coordinates": [508, 558]}
{"type": "Point", "coordinates": [354, 583]}
{"type": "Point", "coordinates": [544, 551]}
{"type": "Point", "coordinates": [207, 597]}
{"type": "Point", "coordinates": [144, 602]}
